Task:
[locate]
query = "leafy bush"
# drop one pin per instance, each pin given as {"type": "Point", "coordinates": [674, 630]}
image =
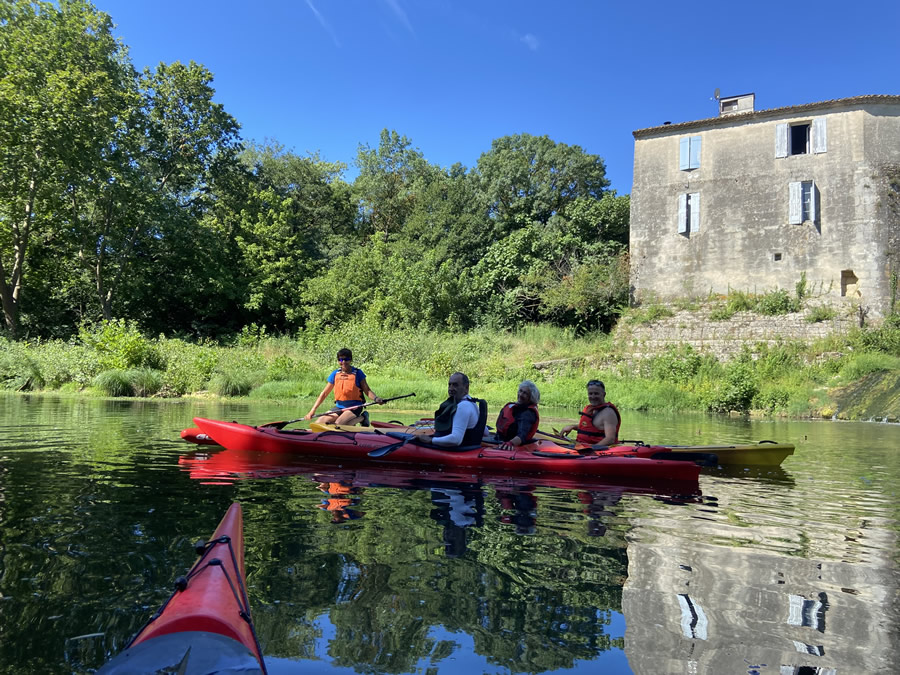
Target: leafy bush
{"type": "Point", "coordinates": [251, 335]}
{"type": "Point", "coordinates": [188, 367]}
{"type": "Point", "coordinates": [739, 301]}
{"type": "Point", "coordinates": [649, 314]}
{"type": "Point", "coordinates": [885, 338]}
{"type": "Point", "coordinates": [771, 398]}
{"type": "Point", "coordinates": [737, 391]}
{"type": "Point", "coordinates": [777, 302]}
{"type": "Point", "coordinates": [677, 364]}
{"type": "Point", "coordinates": [722, 313]}
{"type": "Point", "coordinates": [119, 345]}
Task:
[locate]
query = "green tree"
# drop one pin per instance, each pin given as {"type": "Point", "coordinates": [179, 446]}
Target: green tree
{"type": "Point", "coordinates": [528, 179]}
{"type": "Point", "coordinates": [157, 175]}
{"type": "Point", "coordinates": [389, 181]}
{"type": "Point", "coordinates": [61, 88]}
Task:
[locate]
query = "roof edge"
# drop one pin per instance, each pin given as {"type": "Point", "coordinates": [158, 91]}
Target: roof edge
{"type": "Point", "coordinates": [771, 112]}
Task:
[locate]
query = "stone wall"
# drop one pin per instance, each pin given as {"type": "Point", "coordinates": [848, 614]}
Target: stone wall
{"type": "Point", "coordinates": [724, 339]}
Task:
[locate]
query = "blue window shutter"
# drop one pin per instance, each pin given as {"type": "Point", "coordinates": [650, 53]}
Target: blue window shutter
{"type": "Point", "coordinates": [813, 203]}
{"type": "Point", "coordinates": [695, 152]}
{"type": "Point", "coordinates": [682, 214]}
{"type": "Point", "coordinates": [819, 137]}
{"type": "Point", "coordinates": [795, 210]}
{"type": "Point", "coordinates": [695, 212]}
{"type": "Point", "coordinates": [684, 149]}
{"type": "Point", "coordinates": [781, 140]}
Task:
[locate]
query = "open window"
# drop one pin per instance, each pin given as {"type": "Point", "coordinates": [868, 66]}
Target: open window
{"type": "Point", "coordinates": [801, 138]}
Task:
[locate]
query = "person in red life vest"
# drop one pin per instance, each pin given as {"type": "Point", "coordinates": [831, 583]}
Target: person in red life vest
{"type": "Point", "coordinates": [350, 387]}
{"type": "Point", "coordinates": [518, 422]}
{"type": "Point", "coordinates": [600, 421]}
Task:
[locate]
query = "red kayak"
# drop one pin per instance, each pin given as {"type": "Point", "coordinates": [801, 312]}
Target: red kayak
{"type": "Point", "coordinates": [383, 449]}
{"type": "Point", "coordinates": [205, 626]}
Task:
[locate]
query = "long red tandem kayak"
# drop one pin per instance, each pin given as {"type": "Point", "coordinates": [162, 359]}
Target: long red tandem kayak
{"type": "Point", "coordinates": [376, 449]}
{"type": "Point", "coordinates": [205, 626]}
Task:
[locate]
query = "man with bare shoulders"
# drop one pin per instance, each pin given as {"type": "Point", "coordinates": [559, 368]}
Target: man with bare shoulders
{"type": "Point", "coordinates": [600, 421]}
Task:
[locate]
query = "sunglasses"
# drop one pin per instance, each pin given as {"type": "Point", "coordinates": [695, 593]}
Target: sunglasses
{"type": "Point", "coordinates": [342, 359]}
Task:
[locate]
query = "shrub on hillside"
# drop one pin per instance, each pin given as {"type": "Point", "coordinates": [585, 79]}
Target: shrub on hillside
{"type": "Point", "coordinates": [738, 389]}
{"type": "Point", "coordinates": [820, 313]}
{"type": "Point", "coordinates": [676, 364]}
{"type": "Point", "coordinates": [777, 302]}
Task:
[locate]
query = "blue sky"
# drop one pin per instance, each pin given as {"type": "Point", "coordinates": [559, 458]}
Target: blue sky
{"type": "Point", "coordinates": [453, 75]}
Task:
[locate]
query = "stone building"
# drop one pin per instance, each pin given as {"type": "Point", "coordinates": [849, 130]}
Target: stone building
{"type": "Point", "coordinates": [750, 200]}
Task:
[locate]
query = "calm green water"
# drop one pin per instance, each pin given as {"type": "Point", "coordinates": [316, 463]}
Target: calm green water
{"type": "Point", "coordinates": [783, 571]}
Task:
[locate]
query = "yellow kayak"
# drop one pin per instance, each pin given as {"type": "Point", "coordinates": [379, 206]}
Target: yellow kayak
{"type": "Point", "coordinates": [416, 429]}
{"type": "Point", "coordinates": [764, 453]}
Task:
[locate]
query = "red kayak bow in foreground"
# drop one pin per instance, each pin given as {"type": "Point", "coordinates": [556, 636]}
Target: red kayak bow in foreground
{"type": "Point", "coordinates": [205, 626]}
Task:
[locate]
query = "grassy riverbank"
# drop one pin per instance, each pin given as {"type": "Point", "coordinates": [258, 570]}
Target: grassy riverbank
{"type": "Point", "coordinates": [854, 376]}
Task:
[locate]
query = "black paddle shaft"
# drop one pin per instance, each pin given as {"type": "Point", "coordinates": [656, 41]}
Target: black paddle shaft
{"type": "Point", "coordinates": [282, 425]}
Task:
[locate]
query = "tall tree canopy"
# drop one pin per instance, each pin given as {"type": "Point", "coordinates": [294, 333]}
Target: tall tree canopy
{"type": "Point", "coordinates": [131, 196]}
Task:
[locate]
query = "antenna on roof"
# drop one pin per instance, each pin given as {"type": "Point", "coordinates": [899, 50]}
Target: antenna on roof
{"type": "Point", "coordinates": [717, 94]}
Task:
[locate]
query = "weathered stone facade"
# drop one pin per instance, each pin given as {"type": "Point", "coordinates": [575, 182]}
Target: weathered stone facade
{"type": "Point", "coordinates": [751, 201]}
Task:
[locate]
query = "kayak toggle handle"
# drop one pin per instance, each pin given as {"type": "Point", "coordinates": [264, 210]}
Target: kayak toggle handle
{"type": "Point", "coordinates": [181, 583]}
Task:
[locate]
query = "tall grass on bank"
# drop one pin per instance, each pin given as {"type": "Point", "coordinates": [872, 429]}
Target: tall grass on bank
{"type": "Point", "coordinates": [116, 360]}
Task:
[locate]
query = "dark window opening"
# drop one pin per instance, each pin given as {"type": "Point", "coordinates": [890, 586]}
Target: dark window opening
{"type": "Point", "coordinates": [799, 139]}
{"type": "Point", "coordinates": [777, 257]}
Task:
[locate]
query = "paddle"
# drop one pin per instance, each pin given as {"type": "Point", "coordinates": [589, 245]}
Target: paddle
{"type": "Point", "coordinates": [701, 458]}
{"type": "Point", "coordinates": [282, 425]}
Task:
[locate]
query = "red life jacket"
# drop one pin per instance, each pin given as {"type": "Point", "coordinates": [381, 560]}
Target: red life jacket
{"type": "Point", "coordinates": [507, 421]}
{"type": "Point", "coordinates": [587, 432]}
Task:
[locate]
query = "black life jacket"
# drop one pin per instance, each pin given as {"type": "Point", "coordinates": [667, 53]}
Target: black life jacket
{"type": "Point", "coordinates": [443, 420]}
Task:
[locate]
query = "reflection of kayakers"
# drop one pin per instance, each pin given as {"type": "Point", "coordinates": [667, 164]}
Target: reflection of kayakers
{"type": "Point", "coordinates": [456, 509]}
{"type": "Point", "coordinates": [595, 508]}
{"type": "Point", "coordinates": [518, 422]}
{"type": "Point", "coordinates": [599, 422]}
{"type": "Point", "coordinates": [341, 496]}
{"type": "Point", "coordinates": [523, 503]}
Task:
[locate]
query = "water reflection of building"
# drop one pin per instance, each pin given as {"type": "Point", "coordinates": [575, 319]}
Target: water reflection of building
{"type": "Point", "coordinates": [692, 607]}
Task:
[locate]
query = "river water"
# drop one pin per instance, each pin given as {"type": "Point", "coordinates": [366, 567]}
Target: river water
{"type": "Point", "coordinates": [787, 571]}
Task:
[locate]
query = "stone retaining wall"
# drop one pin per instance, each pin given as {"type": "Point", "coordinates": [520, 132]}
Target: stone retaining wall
{"type": "Point", "coordinates": [726, 338]}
